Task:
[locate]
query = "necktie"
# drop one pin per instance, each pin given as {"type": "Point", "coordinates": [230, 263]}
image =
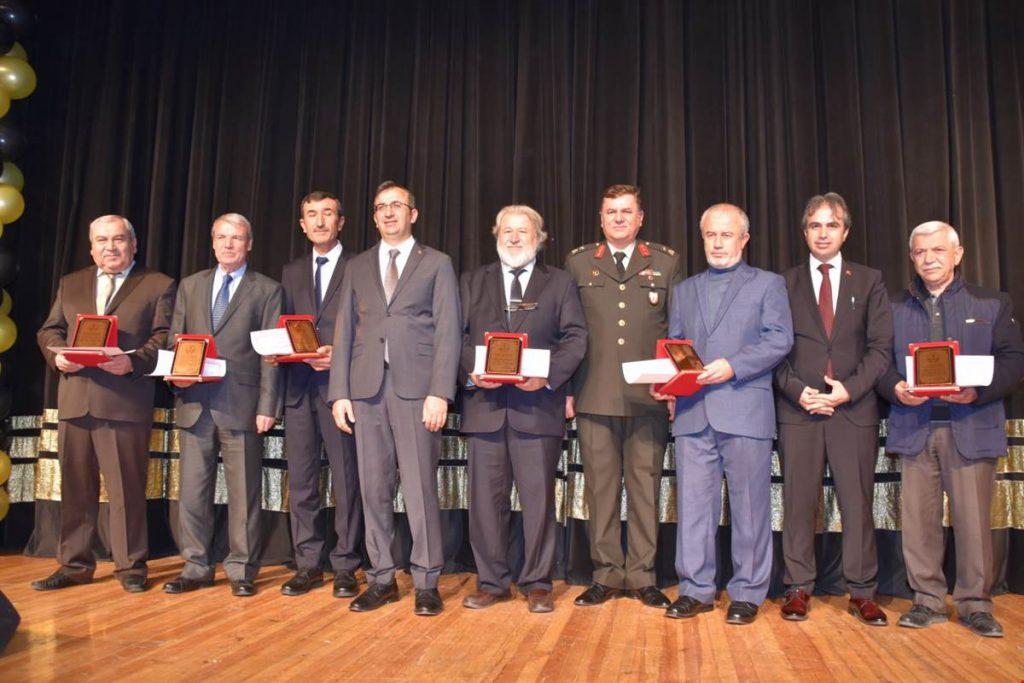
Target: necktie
{"type": "Point", "coordinates": [620, 256]}
{"type": "Point", "coordinates": [320, 261]}
{"type": "Point", "coordinates": [825, 307]}
{"type": "Point", "coordinates": [515, 296]}
{"type": "Point", "coordinates": [391, 275]}
{"type": "Point", "coordinates": [104, 292]}
{"type": "Point", "coordinates": [221, 303]}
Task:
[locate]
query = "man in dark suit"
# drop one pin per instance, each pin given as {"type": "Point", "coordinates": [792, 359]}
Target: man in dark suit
{"type": "Point", "coordinates": [827, 407]}
{"type": "Point", "coordinates": [106, 413]}
{"type": "Point", "coordinates": [950, 444]}
{"type": "Point", "coordinates": [311, 283]}
{"type": "Point", "coordinates": [516, 430]}
{"type": "Point", "coordinates": [393, 371]}
{"type": "Point", "coordinates": [738, 319]}
{"type": "Point", "coordinates": [226, 417]}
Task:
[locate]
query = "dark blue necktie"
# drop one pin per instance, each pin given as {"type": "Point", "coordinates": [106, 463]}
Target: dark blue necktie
{"type": "Point", "coordinates": [320, 261]}
{"type": "Point", "coordinates": [221, 304]}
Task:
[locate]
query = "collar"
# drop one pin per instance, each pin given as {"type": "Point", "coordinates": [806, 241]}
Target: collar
{"type": "Point", "coordinates": [628, 251]}
{"type": "Point", "coordinates": [333, 255]}
{"type": "Point", "coordinates": [403, 249]}
{"type": "Point", "coordinates": [719, 271]}
{"type": "Point", "coordinates": [527, 268]}
{"type": "Point", "coordinates": [235, 274]}
{"type": "Point", "coordinates": [123, 274]}
{"type": "Point", "coordinates": [918, 290]}
{"type": "Point", "coordinates": [836, 262]}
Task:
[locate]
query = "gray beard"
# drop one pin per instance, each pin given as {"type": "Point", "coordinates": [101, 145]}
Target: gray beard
{"type": "Point", "coordinates": [515, 261]}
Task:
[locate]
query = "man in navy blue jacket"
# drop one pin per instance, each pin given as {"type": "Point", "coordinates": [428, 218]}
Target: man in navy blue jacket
{"type": "Point", "coordinates": [950, 443]}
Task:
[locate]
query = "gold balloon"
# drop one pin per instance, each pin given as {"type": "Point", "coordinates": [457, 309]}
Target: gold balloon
{"type": "Point", "coordinates": [8, 333]}
{"type": "Point", "coordinates": [5, 103]}
{"type": "Point", "coordinates": [18, 52]}
{"type": "Point", "coordinates": [12, 175]}
{"type": "Point", "coordinates": [5, 467]}
{"type": "Point", "coordinates": [5, 503]}
{"type": "Point", "coordinates": [6, 303]}
{"type": "Point", "coordinates": [17, 77]}
{"type": "Point", "coordinates": [12, 204]}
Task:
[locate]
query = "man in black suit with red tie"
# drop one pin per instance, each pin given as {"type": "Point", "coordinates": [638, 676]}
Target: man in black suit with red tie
{"type": "Point", "coordinates": [827, 407]}
{"type": "Point", "coordinates": [311, 283]}
{"type": "Point", "coordinates": [515, 431]}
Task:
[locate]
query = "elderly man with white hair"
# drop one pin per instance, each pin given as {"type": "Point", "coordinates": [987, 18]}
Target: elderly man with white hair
{"type": "Point", "coordinates": [950, 443]}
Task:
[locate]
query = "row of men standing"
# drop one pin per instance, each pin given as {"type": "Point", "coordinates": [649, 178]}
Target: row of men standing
{"type": "Point", "coordinates": [400, 339]}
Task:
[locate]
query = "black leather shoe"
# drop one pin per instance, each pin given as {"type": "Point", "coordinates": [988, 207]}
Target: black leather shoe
{"type": "Point", "coordinates": [346, 585]}
{"type": "Point", "coordinates": [186, 585]}
{"type": "Point", "coordinates": [651, 597]}
{"type": "Point", "coordinates": [376, 595]}
{"type": "Point", "coordinates": [134, 584]}
{"type": "Point", "coordinates": [741, 613]}
{"type": "Point", "coordinates": [686, 607]}
{"type": "Point", "coordinates": [597, 594]}
{"type": "Point", "coordinates": [304, 581]}
{"type": "Point", "coordinates": [243, 588]}
{"type": "Point", "coordinates": [982, 624]}
{"type": "Point", "coordinates": [56, 581]}
{"type": "Point", "coordinates": [428, 602]}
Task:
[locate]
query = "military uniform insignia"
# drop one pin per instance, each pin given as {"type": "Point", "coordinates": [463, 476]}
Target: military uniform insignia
{"type": "Point", "coordinates": [600, 251]}
{"type": "Point", "coordinates": [652, 296]}
{"type": "Point", "coordinates": [643, 249]}
{"type": "Point", "coordinates": [595, 272]}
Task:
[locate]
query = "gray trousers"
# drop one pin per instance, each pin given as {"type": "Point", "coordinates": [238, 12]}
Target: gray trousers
{"type": "Point", "coordinates": [495, 460]}
{"type": "Point", "coordinates": [242, 454]}
{"type": "Point", "coordinates": [851, 451]}
{"type": "Point", "coordinates": [968, 483]}
{"type": "Point", "coordinates": [391, 441]}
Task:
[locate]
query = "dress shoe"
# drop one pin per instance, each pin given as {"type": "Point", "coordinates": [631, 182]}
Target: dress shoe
{"type": "Point", "coordinates": [134, 584]}
{"type": "Point", "coordinates": [982, 624]}
{"type": "Point", "coordinates": [539, 601]}
{"type": "Point", "coordinates": [428, 602]}
{"type": "Point", "coordinates": [184, 585]}
{"type": "Point", "coordinates": [741, 613]}
{"type": "Point", "coordinates": [376, 595]}
{"type": "Point", "coordinates": [596, 594]}
{"type": "Point", "coordinates": [868, 612]}
{"type": "Point", "coordinates": [243, 588]}
{"type": "Point", "coordinates": [56, 581]}
{"type": "Point", "coordinates": [796, 605]}
{"type": "Point", "coordinates": [304, 581]}
{"type": "Point", "coordinates": [650, 596]}
{"type": "Point", "coordinates": [685, 607]}
{"type": "Point", "coordinates": [920, 616]}
{"type": "Point", "coordinates": [483, 599]}
{"type": "Point", "coordinates": [346, 585]}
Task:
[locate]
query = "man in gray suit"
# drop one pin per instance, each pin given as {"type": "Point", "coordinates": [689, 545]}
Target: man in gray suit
{"type": "Point", "coordinates": [396, 354]}
{"type": "Point", "coordinates": [225, 417]}
{"type": "Point", "coordinates": [738, 318]}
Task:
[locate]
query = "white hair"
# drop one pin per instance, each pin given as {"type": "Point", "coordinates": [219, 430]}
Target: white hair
{"type": "Point", "coordinates": [112, 218]}
{"type": "Point", "coordinates": [932, 227]}
{"type": "Point", "coordinates": [724, 208]}
{"type": "Point", "coordinates": [235, 219]}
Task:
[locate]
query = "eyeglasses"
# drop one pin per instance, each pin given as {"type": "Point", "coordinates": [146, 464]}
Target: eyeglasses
{"type": "Point", "coordinates": [394, 206]}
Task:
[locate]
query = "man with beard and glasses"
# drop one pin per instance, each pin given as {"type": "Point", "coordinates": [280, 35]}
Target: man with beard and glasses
{"type": "Point", "coordinates": [515, 430]}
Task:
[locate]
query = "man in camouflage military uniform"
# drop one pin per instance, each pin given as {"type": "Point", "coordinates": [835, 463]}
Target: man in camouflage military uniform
{"type": "Point", "coordinates": [624, 284]}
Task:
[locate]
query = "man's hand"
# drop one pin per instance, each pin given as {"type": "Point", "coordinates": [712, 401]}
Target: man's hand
{"type": "Point", "coordinates": [64, 365]}
{"type": "Point", "coordinates": [183, 383]}
{"type": "Point", "coordinates": [118, 365]}
{"type": "Point", "coordinates": [815, 402]}
{"type": "Point", "coordinates": [839, 395]}
{"type": "Point", "coordinates": [435, 412]}
{"type": "Point", "coordinates": [570, 408]}
{"type": "Point", "coordinates": [658, 396]}
{"type": "Point", "coordinates": [902, 390]}
{"type": "Point", "coordinates": [963, 397]}
{"type": "Point", "coordinates": [270, 360]}
{"type": "Point", "coordinates": [343, 414]}
{"type": "Point", "coordinates": [264, 423]}
{"type": "Point", "coordinates": [532, 384]}
{"type": "Point", "coordinates": [323, 363]}
{"type": "Point", "coordinates": [483, 383]}
{"type": "Point", "coordinates": [716, 372]}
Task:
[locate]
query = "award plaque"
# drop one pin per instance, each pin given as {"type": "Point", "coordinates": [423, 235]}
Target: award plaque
{"type": "Point", "coordinates": [93, 331]}
{"type": "Point", "coordinates": [302, 334]}
{"type": "Point", "coordinates": [687, 362]}
{"type": "Point", "coordinates": [189, 355]}
{"type": "Point", "coordinates": [503, 361]}
{"type": "Point", "coordinates": [683, 355]}
{"type": "Point", "coordinates": [934, 368]}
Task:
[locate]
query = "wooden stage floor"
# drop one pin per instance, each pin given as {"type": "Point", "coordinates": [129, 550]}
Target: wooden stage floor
{"type": "Point", "coordinates": [99, 632]}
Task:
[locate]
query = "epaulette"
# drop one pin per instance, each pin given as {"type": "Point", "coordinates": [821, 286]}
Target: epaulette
{"type": "Point", "coordinates": [660, 247]}
{"type": "Point", "coordinates": [585, 247]}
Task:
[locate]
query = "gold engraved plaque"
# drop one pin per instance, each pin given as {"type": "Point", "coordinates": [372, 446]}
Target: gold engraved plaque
{"type": "Point", "coordinates": [933, 366]}
{"type": "Point", "coordinates": [684, 356]}
{"type": "Point", "coordinates": [92, 332]}
{"type": "Point", "coordinates": [189, 355]}
{"type": "Point", "coordinates": [504, 355]}
{"type": "Point", "coordinates": [302, 334]}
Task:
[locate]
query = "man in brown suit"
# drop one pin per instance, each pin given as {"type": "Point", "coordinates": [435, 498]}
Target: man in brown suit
{"type": "Point", "coordinates": [827, 407]}
{"type": "Point", "coordinates": [105, 413]}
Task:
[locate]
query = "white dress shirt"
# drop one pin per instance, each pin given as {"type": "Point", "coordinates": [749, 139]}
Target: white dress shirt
{"type": "Point", "coordinates": [327, 269]}
{"type": "Point", "coordinates": [383, 257]}
{"type": "Point", "coordinates": [833, 275]}
{"type": "Point", "coordinates": [218, 282]}
{"type": "Point", "coordinates": [628, 251]}
{"type": "Point", "coordinates": [524, 278]}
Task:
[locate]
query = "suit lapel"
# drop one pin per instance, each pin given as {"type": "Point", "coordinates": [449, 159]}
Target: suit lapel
{"type": "Point", "coordinates": [845, 287]}
{"type": "Point", "coordinates": [743, 274]}
{"type": "Point", "coordinates": [637, 263]}
{"type": "Point", "coordinates": [496, 291]}
{"type": "Point", "coordinates": [130, 282]}
{"type": "Point", "coordinates": [305, 298]}
{"type": "Point", "coordinates": [241, 293]}
{"type": "Point", "coordinates": [702, 297]}
{"type": "Point", "coordinates": [606, 264]}
{"type": "Point", "coordinates": [333, 285]}
{"type": "Point", "coordinates": [538, 278]}
{"type": "Point", "coordinates": [415, 256]}
{"type": "Point", "coordinates": [806, 288]}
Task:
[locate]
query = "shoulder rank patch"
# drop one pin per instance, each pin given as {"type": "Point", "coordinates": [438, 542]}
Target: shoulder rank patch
{"type": "Point", "coordinates": [661, 247]}
{"type": "Point", "coordinates": [581, 249]}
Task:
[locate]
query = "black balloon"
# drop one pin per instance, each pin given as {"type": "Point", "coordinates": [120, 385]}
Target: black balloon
{"type": "Point", "coordinates": [7, 37]}
{"type": "Point", "coordinates": [17, 15]}
{"type": "Point", "coordinates": [8, 265]}
{"type": "Point", "coordinates": [11, 141]}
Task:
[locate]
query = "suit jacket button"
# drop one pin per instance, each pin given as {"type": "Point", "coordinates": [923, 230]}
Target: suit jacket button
{"type": "Point", "coordinates": [622, 288]}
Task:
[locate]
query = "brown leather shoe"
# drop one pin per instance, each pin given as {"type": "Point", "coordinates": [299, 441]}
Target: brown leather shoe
{"type": "Point", "coordinates": [483, 599]}
{"type": "Point", "coordinates": [796, 605]}
{"type": "Point", "coordinates": [539, 601]}
{"type": "Point", "coordinates": [867, 611]}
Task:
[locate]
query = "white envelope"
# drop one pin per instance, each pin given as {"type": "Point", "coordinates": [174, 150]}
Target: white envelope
{"type": "Point", "coordinates": [272, 342]}
{"type": "Point", "coordinates": [971, 371]}
{"type": "Point", "coordinates": [655, 371]}
{"type": "Point", "coordinates": [212, 367]}
{"type": "Point", "coordinates": [535, 362]}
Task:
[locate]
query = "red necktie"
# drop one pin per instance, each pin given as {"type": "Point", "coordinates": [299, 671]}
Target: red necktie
{"type": "Point", "coordinates": [825, 307]}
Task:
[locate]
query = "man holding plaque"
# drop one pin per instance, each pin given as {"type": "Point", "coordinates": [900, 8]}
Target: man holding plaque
{"type": "Point", "coordinates": [516, 429]}
{"type": "Point", "coordinates": [625, 285]}
{"type": "Point", "coordinates": [739, 321]}
{"type": "Point", "coordinates": [311, 285]}
{"type": "Point", "coordinates": [227, 417]}
{"type": "Point", "coordinates": [828, 410]}
{"type": "Point", "coordinates": [105, 412]}
{"type": "Point", "coordinates": [393, 372]}
{"type": "Point", "coordinates": [949, 443]}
